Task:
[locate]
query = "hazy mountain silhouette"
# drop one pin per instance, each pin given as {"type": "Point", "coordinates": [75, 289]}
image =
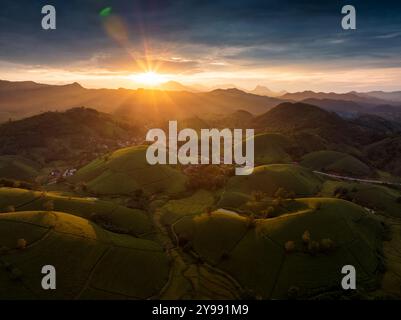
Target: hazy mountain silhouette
{"type": "Point", "coordinates": [299, 96]}
{"type": "Point", "coordinates": [264, 91]}
{"type": "Point", "coordinates": [21, 99]}
{"type": "Point", "coordinates": [175, 86]}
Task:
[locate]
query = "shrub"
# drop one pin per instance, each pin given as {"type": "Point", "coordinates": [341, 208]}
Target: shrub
{"type": "Point", "coordinates": [281, 193]}
{"type": "Point", "coordinates": [10, 208]}
{"type": "Point", "coordinates": [277, 202]}
{"type": "Point", "coordinates": [306, 237]}
{"type": "Point", "coordinates": [21, 243]}
{"type": "Point", "coordinates": [225, 256]}
{"type": "Point", "coordinates": [247, 294]}
{"type": "Point", "coordinates": [206, 177]}
{"type": "Point", "coordinates": [399, 200]}
{"type": "Point", "coordinates": [182, 241]}
{"type": "Point", "coordinates": [293, 292]}
{"type": "Point", "coordinates": [289, 246]}
{"type": "Point", "coordinates": [316, 205]}
{"type": "Point", "coordinates": [83, 186]}
{"type": "Point", "coordinates": [16, 274]}
{"type": "Point", "coordinates": [291, 195]}
{"type": "Point", "coordinates": [268, 212]}
{"type": "Point", "coordinates": [342, 193]}
{"type": "Point", "coordinates": [3, 250]}
{"type": "Point", "coordinates": [258, 195]}
{"type": "Point", "coordinates": [313, 247]}
{"type": "Point", "coordinates": [48, 205]}
{"type": "Point", "coordinates": [251, 222]}
{"type": "Point", "coordinates": [326, 245]}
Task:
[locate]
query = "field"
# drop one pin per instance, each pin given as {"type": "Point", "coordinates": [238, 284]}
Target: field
{"type": "Point", "coordinates": [269, 178]}
{"type": "Point", "coordinates": [333, 161]}
{"type": "Point", "coordinates": [270, 148]}
{"type": "Point", "coordinates": [18, 168]}
{"type": "Point", "coordinates": [125, 171]}
{"type": "Point", "coordinates": [379, 198]}
{"type": "Point", "coordinates": [83, 254]}
{"type": "Point", "coordinates": [132, 220]}
{"type": "Point", "coordinates": [253, 251]}
{"type": "Point", "coordinates": [120, 228]}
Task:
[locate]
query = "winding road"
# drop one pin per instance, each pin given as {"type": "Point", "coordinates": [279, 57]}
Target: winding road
{"type": "Point", "coordinates": [357, 179]}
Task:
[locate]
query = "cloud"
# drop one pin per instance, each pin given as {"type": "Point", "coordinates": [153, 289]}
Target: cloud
{"type": "Point", "coordinates": [194, 37]}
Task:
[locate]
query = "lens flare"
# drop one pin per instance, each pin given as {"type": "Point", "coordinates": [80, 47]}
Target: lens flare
{"type": "Point", "coordinates": [149, 78]}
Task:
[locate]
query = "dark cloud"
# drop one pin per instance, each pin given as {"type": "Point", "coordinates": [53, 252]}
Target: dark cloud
{"type": "Point", "coordinates": [272, 31]}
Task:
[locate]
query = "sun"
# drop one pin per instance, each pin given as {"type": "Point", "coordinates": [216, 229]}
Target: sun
{"type": "Point", "coordinates": [149, 78]}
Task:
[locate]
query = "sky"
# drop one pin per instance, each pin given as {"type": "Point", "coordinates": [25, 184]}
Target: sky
{"type": "Point", "coordinates": [282, 44]}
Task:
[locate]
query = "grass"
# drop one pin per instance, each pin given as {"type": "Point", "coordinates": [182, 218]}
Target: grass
{"type": "Point", "coordinates": [375, 197]}
{"type": "Point", "coordinates": [253, 252]}
{"type": "Point", "coordinates": [133, 220]}
{"type": "Point", "coordinates": [18, 168]}
{"type": "Point", "coordinates": [270, 148]}
{"type": "Point", "coordinates": [88, 259]}
{"type": "Point", "coordinates": [338, 162]}
{"type": "Point", "coordinates": [195, 204]}
{"type": "Point", "coordinates": [269, 178]}
{"type": "Point", "coordinates": [125, 171]}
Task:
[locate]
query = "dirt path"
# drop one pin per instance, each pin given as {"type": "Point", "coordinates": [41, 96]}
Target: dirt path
{"type": "Point", "coordinates": [189, 279]}
{"type": "Point", "coordinates": [391, 283]}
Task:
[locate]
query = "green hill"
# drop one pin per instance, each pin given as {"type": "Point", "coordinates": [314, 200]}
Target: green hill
{"type": "Point", "coordinates": [253, 251]}
{"type": "Point", "coordinates": [125, 171]}
{"type": "Point", "coordinates": [301, 117]}
{"type": "Point", "coordinates": [269, 178]}
{"type": "Point", "coordinates": [337, 162]}
{"type": "Point", "coordinates": [75, 134]}
{"type": "Point", "coordinates": [132, 221]}
{"type": "Point", "coordinates": [376, 197]}
{"type": "Point", "coordinates": [90, 263]}
{"type": "Point", "coordinates": [386, 154]}
{"type": "Point", "coordinates": [18, 168]}
{"type": "Point", "coordinates": [271, 148]}
{"type": "Point", "coordinates": [195, 204]}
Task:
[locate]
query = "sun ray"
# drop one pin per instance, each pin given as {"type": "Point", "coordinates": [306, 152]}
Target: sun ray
{"type": "Point", "coordinates": [150, 78]}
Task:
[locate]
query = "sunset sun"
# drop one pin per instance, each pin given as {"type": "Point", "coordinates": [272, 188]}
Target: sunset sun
{"type": "Point", "coordinates": [149, 78]}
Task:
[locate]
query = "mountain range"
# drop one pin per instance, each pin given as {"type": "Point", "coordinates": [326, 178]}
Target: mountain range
{"type": "Point", "coordinates": [27, 98]}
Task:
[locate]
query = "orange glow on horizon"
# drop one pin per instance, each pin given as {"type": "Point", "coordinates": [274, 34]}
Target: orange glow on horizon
{"type": "Point", "coordinates": [150, 78]}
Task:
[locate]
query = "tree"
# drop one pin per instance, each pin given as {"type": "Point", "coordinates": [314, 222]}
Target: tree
{"type": "Point", "coordinates": [268, 212]}
{"type": "Point", "coordinates": [293, 292]}
{"type": "Point", "coordinates": [306, 237]}
{"type": "Point", "coordinates": [3, 250]}
{"type": "Point", "coordinates": [316, 205]}
{"type": "Point", "coordinates": [313, 247]}
{"type": "Point", "coordinates": [10, 208]}
{"type": "Point", "coordinates": [21, 243]}
{"type": "Point", "coordinates": [289, 246]}
{"type": "Point", "coordinates": [281, 193]}
{"type": "Point", "coordinates": [48, 205]}
{"type": "Point", "coordinates": [250, 222]}
{"type": "Point", "coordinates": [182, 241]}
{"type": "Point", "coordinates": [225, 255]}
{"type": "Point", "coordinates": [326, 245]}
{"type": "Point", "coordinates": [16, 274]}
{"type": "Point", "coordinates": [258, 195]}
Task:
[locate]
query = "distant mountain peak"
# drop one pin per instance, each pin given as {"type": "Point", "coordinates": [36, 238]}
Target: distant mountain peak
{"type": "Point", "coordinates": [74, 85]}
{"type": "Point", "coordinates": [265, 91]}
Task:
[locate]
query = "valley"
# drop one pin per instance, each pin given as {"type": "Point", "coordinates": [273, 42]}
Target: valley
{"type": "Point", "coordinates": [77, 192]}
